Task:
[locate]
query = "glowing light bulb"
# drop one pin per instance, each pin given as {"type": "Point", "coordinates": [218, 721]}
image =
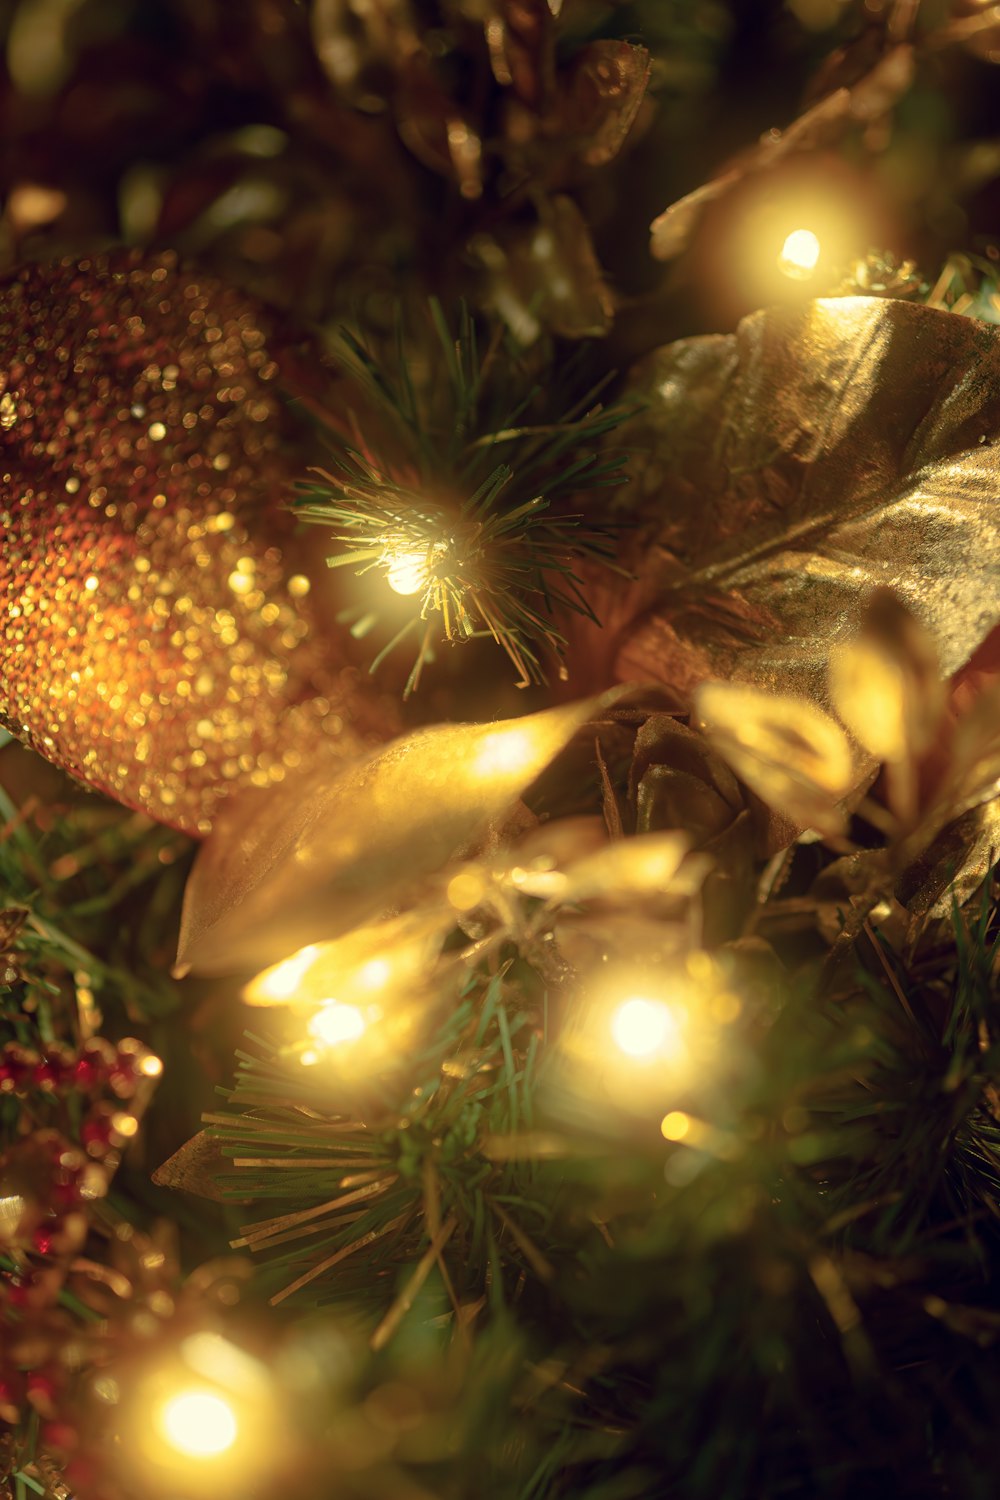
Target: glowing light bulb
{"type": "Point", "coordinates": [198, 1424]}
{"type": "Point", "coordinates": [505, 751]}
{"type": "Point", "coordinates": [283, 980]}
{"type": "Point", "coordinates": [799, 254]}
{"type": "Point", "coordinates": [675, 1125]}
{"type": "Point", "coordinates": [337, 1023]}
{"type": "Point", "coordinates": [407, 572]}
{"type": "Point", "coordinates": [643, 1028]}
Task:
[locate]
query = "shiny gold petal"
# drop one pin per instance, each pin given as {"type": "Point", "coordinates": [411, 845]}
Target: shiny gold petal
{"type": "Point", "coordinates": [787, 750]}
{"type": "Point", "coordinates": [323, 853]}
{"type": "Point", "coordinates": [886, 683]}
{"type": "Point", "coordinates": [782, 474]}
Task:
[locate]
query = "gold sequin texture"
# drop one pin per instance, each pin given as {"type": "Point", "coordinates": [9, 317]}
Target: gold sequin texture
{"type": "Point", "coordinates": [154, 642]}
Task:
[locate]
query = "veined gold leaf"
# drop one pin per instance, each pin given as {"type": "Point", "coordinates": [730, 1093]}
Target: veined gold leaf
{"type": "Point", "coordinates": [886, 683]}
{"type": "Point", "coordinates": [783, 473]}
{"type": "Point", "coordinates": [787, 750]}
{"type": "Point", "coordinates": [321, 854]}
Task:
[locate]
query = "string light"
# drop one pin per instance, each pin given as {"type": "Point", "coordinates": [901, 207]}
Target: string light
{"type": "Point", "coordinates": [411, 564]}
{"type": "Point", "coordinates": [647, 1038]}
{"type": "Point", "coordinates": [407, 572]}
{"type": "Point", "coordinates": [336, 1024]}
{"type": "Point", "coordinates": [675, 1125]}
{"type": "Point", "coordinates": [281, 983]}
{"type": "Point", "coordinates": [507, 750]}
{"type": "Point", "coordinates": [198, 1423]}
{"type": "Point", "coordinates": [645, 1029]}
{"type": "Point", "coordinates": [355, 996]}
{"type": "Point", "coordinates": [799, 254]}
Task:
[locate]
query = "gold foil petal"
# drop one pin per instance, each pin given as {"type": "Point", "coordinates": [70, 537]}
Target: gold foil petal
{"type": "Point", "coordinates": [886, 683]}
{"type": "Point", "coordinates": [324, 852]}
{"type": "Point", "coordinates": [786, 472]}
{"type": "Point", "coordinates": [787, 750]}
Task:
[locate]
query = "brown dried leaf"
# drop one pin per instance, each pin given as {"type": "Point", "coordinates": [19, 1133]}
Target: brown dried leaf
{"type": "Point", "coordinates": [601, 98]}
{"type": "Point", "coordinates": [790, 469]}
{"type": "Point", "coordinates": [952, 868]}
{"type": "Point", "coordinates": [548, 275]}
{"type": "Point", "coordinates": [520, 35]}
{"type": "Point", "coordinates": [192, 1168]}
{"type": "Point", "coordinates": [321, 854]}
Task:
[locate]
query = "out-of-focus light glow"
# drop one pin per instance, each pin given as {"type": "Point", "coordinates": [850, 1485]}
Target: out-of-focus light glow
{"type": "Point", "coordinates": [283, 980]}
{"type": "Point", "coordinates": [198, 1423]}
{"type": "Point", "coordinates": [375, 974]}
{"type": "Point", "coordinates": [675, 1125]}
{"type": "Point", "coordinates": [644, 1028]}
{"type": "Point", "coordinates": [799, 254]}
{"type": "Point", "coordinates": [407, 572]}
{"type": "Point", "coordinates": [151, 1066]}
{"type": "Point", "coordinates": [336, 1024]}
{"type": "Point", "coordinates": [504, 751]}
{"type": "Point", "coordinates": [466, 890]}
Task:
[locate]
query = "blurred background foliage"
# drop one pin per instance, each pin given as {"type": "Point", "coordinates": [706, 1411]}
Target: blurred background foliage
{"type": "Point", "coordinates": [318, 152]}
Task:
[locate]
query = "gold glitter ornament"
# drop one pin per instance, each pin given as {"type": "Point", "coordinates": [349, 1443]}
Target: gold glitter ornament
{"type": "Point", "coordinates": [156, 640]}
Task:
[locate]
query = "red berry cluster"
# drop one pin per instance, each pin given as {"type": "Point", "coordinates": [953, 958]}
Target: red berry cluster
{"type": "Point", "coordinates": [46, 1185]}
{"type": "Point", "coordinates": [96, 1067]}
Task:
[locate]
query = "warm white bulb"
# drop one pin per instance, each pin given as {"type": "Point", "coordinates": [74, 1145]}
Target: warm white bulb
{"type": "Point", "coordinates": [503, 752]}
{"type": "Point", "coordinates": [198, 1424]}
{"type": "Point", "coordinates": [337, 1023]}
{"type": "Point", "coordinates": [800, 253]}
{"type": "Point", "coordinates": [281, 982]}
{"type": "Point", "coordinates": [643, 1028]}
{"type": "Point", "coordinates": [407, 572]}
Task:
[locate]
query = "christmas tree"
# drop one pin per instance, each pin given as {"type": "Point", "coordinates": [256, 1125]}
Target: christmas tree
{"type": "Point", "coordinates": [500, 792]}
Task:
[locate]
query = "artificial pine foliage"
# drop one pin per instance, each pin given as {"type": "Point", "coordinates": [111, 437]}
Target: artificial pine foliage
{"type": "Point", "coordinates": [559, 1058]}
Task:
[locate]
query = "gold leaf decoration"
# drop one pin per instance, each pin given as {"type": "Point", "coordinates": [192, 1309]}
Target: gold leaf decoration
{"type": "Point", "coordinates": [787, 750]}
{"type": "Point", "coordinates": [886, 682]}
{"type": "Point", "coordinates": [785, 472]}
{"type": "Point", "coordinates": [333, 849]}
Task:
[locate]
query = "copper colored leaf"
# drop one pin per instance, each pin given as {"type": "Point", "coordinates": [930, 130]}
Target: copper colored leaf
{"type": "Point", "coordinates": [786, 471]}
{"type": "Point", "coordinates": [324, 853]}
{"type": "Point", "coordinates": [548, 275]}
{"type": "Point", "coordinates": [520, 36]}
{"type": "Point", "coordinates": [606, 86]}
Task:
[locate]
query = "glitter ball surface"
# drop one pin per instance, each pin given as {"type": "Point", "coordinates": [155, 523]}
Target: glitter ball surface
{"type": "Point", "coordinates": [155, 639]}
